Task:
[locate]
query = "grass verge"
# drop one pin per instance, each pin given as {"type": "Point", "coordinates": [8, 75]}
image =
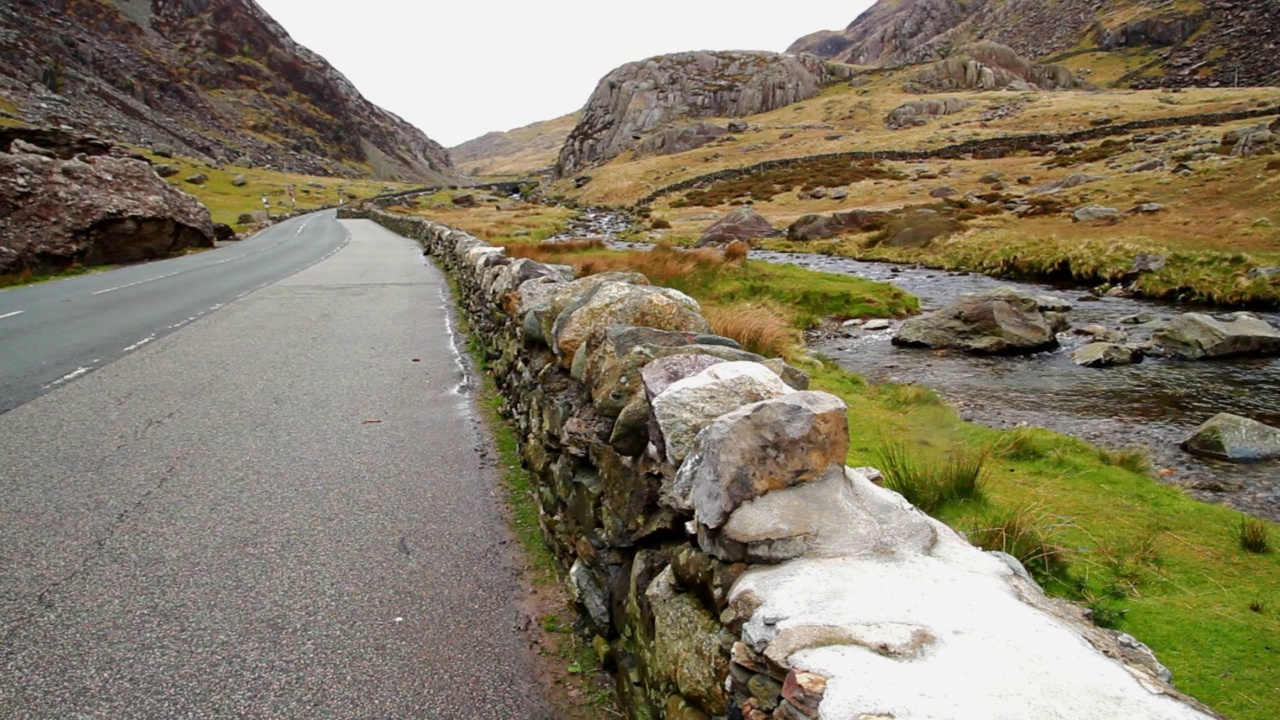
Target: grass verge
{"type": "Point", "coordinates": [581, 687]}
{"type": "Point", "coordinates": [1143, 557]}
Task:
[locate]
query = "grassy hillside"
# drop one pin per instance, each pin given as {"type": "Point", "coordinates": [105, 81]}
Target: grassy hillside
{"type": "Point", "coordinates": [1216, 220]}
{"type": "Point", "coordinates": [516, 153]}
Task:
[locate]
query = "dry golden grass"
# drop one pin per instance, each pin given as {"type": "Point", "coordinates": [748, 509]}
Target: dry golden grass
{"type": "Point", "coordinates": [501, 222]}
{"type": "Point", "coordinates": [518, 152]}
{"type": "Point", "coordinates": [857, 115]}
{"type": "Point", "coordinates": [759, 327]}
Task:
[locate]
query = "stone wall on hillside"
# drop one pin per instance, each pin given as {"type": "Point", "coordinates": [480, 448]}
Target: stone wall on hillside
{"type": "Point", "coordinates": [723, 557]}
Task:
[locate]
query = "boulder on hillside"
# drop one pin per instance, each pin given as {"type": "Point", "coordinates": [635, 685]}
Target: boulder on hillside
{"type": "Point", "coordinates": [1234, 439]}
{"type": "Point", "coordinates": [1004, 321]}
{"type": "Point", "coordinates": [821, 227]}
{"type": "Point", "coordinates": [1094, 213]}
{"type": "Point", "coordinates": [743, 223]}
{"type": "Point", "coordinates": [196, 179]}
{"type": "Point", "coordinates": [638, 97]}
{"type": "Point", "coordinates": [920, 112]}
{"type": "Point", "coordinates": [681, 138]}
{"type": "Point", "coordinates": [1196, 336]}
{"type": "Point", "coordinates": [100, 210]}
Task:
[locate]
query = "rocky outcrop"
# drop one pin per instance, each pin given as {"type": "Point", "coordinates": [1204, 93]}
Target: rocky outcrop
{"type": "Point", "coordinates": [1234, 439]}
{"type": "Point", "coordinates": [90, 210]}
{"type": "Point", "coordinates": [743, 223]}
{"type": "Point", "coordinates": [1200, 42]}
{"type": "Point", "coordinates": [640, 97]}
{"type": "Point", "coordinates": [760, 577]}
{"type": "Point", "coordinates": [681, 138]}
{"type": "Point", "coordinates": [1196, 336]}
{"type": "Point", "coordinates": [991, 66]}
{"type": "Point", "coordinates": [218, 80]}
{"type": "Point", "coordinates": [821, 227]}
{"type": "Point", "coordinates": [1004, 321]}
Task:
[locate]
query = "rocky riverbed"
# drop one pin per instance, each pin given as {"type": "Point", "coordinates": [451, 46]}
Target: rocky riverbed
{"type": "Point", "coordinates": [1153, 405]}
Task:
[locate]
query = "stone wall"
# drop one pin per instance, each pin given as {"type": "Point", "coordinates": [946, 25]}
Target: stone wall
{"type": "Point", "coordinates": [724, 559]}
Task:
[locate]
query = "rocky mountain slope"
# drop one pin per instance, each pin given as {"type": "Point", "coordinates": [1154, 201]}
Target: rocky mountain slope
{"type": "Point", "coordinates": [523, 151]}
{"type": "Point", "coordinates": [216, 79]}
{"type": "Point", "coordinates": [1186, 43]}
{"type": "Point", "coordinates": [640, 97]}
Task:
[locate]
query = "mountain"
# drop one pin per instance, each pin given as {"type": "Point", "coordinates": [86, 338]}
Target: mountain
{"type": "Point", "coordinates": [524, 151]}
{"type": "Point", "coordinates": [217, 79]}
{"type": "Point", "coordinates": [638, 98]}
{"type": "Point", "coordinates": [1182, 43]}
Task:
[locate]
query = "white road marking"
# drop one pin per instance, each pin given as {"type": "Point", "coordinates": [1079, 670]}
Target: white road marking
{"type": "Point", "coordinates": [71, 376]}
{"type": "Point", "coordinates": [134, 284]}
{"type": "Point", "coordinates": [140, 343]}
{"type": "Point", "coordinates": [302, 227]}
{"type": "Point", "coordinates": [9, 315]}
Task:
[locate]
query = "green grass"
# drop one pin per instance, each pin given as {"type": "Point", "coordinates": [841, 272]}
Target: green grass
{"type": "Point", "coordinates": [226, 202]}
{"type": "Point", "coordinates": [1145, 557]}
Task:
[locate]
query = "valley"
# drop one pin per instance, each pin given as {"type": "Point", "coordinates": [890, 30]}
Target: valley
{"type": "Point", "coordinates": [931, 365]}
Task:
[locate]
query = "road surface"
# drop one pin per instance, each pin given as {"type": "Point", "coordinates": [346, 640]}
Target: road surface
{"type": "Point", "coordinates": [281, 509]}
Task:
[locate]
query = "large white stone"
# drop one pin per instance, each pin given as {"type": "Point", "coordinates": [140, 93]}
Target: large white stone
{"type": "Point", "coordinates": [929, 630]}
{"type": "Point", "coordinates": [691, 404]}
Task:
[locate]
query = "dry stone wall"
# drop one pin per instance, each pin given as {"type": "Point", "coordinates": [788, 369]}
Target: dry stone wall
{"type": "Point", "coordinates": [724, 558]}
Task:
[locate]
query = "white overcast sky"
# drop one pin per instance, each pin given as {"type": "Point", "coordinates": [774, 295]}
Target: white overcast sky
{"type": "Point", "coordinates": [463, 68]}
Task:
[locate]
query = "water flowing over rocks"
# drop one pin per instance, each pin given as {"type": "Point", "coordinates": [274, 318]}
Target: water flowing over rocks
{"type": "Point", "coordinates": [785, 583]}
{"type": "Point", "coordinates": [641, 97]}
{"type": "Point", "coordinates": [90, 210]}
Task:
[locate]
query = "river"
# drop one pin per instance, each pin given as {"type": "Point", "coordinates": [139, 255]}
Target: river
{"type": "Point", "coordinates": [1152, 405]}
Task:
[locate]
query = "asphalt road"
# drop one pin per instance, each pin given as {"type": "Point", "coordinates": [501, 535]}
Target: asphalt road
{"type": "Point", "coordinates": [52, 333]}
{"type": "Point", "coordinates": [281, 510]}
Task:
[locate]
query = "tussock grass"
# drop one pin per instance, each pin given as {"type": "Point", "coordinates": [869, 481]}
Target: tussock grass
{"type": "Point", "coordinates": [930, 483]}
{"type": "Point", "coordinates": [1025, 532]}
{"type": "Point", "coordinates": [1255, 536]}
{"type": "Point", "coordinates": [1132, 459]}
{"type": "Point", "coordinates": [760, 328]}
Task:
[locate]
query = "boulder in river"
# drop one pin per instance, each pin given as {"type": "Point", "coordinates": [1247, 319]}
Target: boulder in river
{"type": "Point", "coordinates": [744, 223]}
{"type": "Point", "coordinates": [1235, 439]}
{"type": "Point", "coordinates": [1104, 354]}
{"type": "Point", "coordinates": [1000, 322]}
{"type": "Point", "coordinates": [1196, 336]}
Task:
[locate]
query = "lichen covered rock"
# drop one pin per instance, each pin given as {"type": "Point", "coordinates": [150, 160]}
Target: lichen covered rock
{"type": "Point", "coordinates": [1234, 439]}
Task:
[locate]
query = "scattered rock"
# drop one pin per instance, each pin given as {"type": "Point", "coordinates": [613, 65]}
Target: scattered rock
{"type": "Point", "coordinates": [1094, 213]}
{"type": "Point", "coordinates": [944, 191]}
{"type": "Point", "coordinates": [1263, 272]}
{"type": "Point", "coordinates": [821, 227]}
{"type": "Point", "coordinates": [1146, 166]}
{"type": "Point", "coordinates": [166, 171]}
{"type": "Point", "coordinates": [1234, 439]}
{"type": "Point", "coordinates": [197, 179]}
{"type": "Point", "coordinates": [224, 233]}
{"type": "Point", "coordinates": [1196, 336]}
{"type": "Point", "coordinates": [1105, 354]}
{"type": "Point", "coordinates": [878, 324]}
{"type": "Point", "coordinates": [239, 181]}
{"type": "Point", "coordinates": [465, 200]}
{"type": "Point", "coordinates": [1065, 183]}
{"type": "Point", "coordinates": [1148, 263]}
{"type": "Point", "coordinates": [738, 126]}
{"type": "Point", "coordinates": [1148, 208]}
